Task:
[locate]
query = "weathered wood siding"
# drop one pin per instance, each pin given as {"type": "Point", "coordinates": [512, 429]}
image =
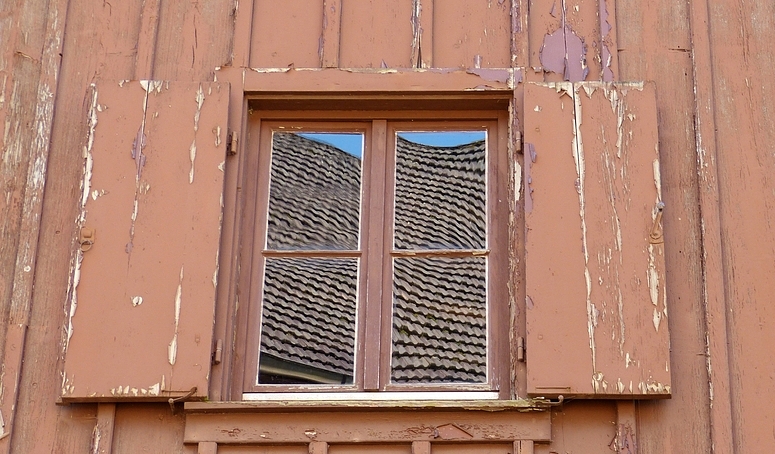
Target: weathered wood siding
{"type": "Point", "coordinates": [712, 63]}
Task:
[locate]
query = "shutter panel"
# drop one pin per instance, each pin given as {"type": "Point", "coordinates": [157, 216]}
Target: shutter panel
{"type": "Point", "coordinates": [142, 299]}
{"type": "Point", "coordinates": [595, 280]}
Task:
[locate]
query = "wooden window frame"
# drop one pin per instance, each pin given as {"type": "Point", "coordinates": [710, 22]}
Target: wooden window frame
{"type": "Point", "coordinates": [379, 128]}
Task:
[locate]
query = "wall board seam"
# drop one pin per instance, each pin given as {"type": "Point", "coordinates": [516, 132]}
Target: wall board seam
{"type": "Point", "coordinates": [714, 278]}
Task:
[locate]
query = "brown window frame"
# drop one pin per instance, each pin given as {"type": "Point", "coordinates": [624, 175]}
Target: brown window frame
{"type": "Point", "coordinates": [374, 319]}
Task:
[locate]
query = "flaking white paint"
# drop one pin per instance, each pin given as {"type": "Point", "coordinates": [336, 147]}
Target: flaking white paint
{"type": "Point", "coordinates": [172, 349]}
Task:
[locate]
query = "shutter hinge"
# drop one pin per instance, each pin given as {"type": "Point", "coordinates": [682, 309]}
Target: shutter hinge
{"type": "Point", "coordinates": [231, 146]}
{"type": "Point", "coordinates": [218, 352]}
{"type": "Point", "coordinates": [521, 349]}
{"type": "Point", "coordinates": [518, 141]}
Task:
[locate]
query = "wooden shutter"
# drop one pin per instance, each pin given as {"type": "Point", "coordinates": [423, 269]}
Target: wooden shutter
{"type": "Point", "coordinates": [143, 290]}
{"type": "Point", "coordinates": [596, 303]}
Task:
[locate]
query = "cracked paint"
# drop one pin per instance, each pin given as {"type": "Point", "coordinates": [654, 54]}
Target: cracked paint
{"type": "Point", "coordinates": [564, 52]}
{"type": "Point", "coordinates": [172, 349]}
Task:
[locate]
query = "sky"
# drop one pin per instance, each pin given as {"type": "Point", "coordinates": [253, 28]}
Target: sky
{"type": "Point", "coordinates": [352, 143]}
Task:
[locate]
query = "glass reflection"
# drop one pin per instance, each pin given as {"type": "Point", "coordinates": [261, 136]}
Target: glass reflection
{"type": "Point", "coordinates": [308, 321]}
{"type": "Point", "coordinates": [440, 193]}
{"type": "Point", "coordinates": [315, 191]}
{"type": "Point", "coordinates": [439, 320]}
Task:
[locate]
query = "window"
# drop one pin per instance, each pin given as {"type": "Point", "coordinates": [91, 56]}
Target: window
{"type": "Point", "coordinates": [378, 257]}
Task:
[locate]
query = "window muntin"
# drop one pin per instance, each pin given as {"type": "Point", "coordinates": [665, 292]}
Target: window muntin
{"type": "Point", "coordinates": [375, 357]}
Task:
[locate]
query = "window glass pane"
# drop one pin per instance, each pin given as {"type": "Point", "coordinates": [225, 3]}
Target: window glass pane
{"type": "Point", "coordinates": [439, 320]}
{"type": "Point", "coordinates": [315, 191]}
{"type": "Point", "coordinates": [440, 194]}
{"type": "Point", "coordinates": [308, 321]}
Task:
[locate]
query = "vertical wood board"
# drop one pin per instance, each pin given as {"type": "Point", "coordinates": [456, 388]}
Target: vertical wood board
{"type": "Point", "coordinates": [471, 34]}
{"type": "Point", "coordinates": [141, 315]}
{"type": "Point", "coordinates": [286, 34]}
{"type": "Point", "coordinates": [376, 34]}
{"type": "Point", "coordinates": [596, 301]}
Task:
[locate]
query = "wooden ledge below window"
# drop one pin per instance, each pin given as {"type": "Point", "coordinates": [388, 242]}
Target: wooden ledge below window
{"type": "Point", "coordinates": [335, 422]}
{"type": "Point", "coordinates": [521, 405]}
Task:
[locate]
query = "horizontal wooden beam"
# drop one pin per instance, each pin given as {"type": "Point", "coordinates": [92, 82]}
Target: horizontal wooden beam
{"type": "Point", "coordinates": [367, 427]}
{"type": "Point", "coordinates": [263, 80]}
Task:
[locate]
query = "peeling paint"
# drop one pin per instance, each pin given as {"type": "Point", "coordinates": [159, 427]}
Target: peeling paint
{"type": "Point", "coordinates": [564, 52]}
{"type": "Point", "coordinates": [530, 159]}
{"type": "Point", "coordinates": [578, 156]}
{"type": "Point", "coordinates": [200, 99]}
{"type": "Point", "coordinates": [192, 157]}
{"type": "Point", "coordinates": [217, 133]}
{"type": "Point", "coordinates": [605, 52]}
{"type": "Point", "coordinates": [172, 349]}
{"type": "Point", "coordinates": [137, 300]}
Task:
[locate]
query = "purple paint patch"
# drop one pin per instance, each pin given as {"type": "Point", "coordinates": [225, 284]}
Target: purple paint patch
{"type": "Point", "coordinates": [564, 52]}
{"type": "Point", "coordinates": [529, 302]}
{"type": "Point", "coordinates": [576, 57]}
{"type": "Point", "coordinates": [552, 53]}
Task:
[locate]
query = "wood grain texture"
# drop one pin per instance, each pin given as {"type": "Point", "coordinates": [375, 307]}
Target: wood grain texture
{"type": "Point", "coordinates": [736, 111]}
{"type": "Point", "coordinates": [376, 34]}
{"type": "Point", "coordinates": [592, 171]}
{"type": "Point", "coordinates": [148, 427]}
{"type": "Point", "coordinates": [102, 436]}
{"type": "Point", "coordinates": [142, 308]}
{"type": "Point", "coordinates": [40, 380]}
{"type": "Point", "coordinates": [36, 36]}
{"type": "Point", "coordinates": [366, 427]}
{"type": "Point", "coordinates": [194, 38]}
{"type": "Point", "coordinates": [655, 46]}
{"type": "Point", "coordinates": [480, 38]}
{"type": "Point", "coordinates": [421, 447]}
{"type": "Point", "coordinates": [288, 34]}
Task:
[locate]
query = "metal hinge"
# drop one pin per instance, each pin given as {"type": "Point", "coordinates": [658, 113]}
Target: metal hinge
{"type": "Point", "coordinates": [218, 352]}
{"type": "Point", "coordinates": [231, 146]}
{"type": "Point", "coordinates": [521, 349]}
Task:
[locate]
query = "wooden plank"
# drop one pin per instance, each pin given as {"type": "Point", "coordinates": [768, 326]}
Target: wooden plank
{"type": "Point", "coordinates": [384, 81]}
{"type": "Point", "coordinates": [102, 440]}
{"type": "Point", "coordinates": [30, 75]}
{"type": "Point", "coordinates": [164, 306]}
{"type": "Point", "coordinates": [146, 39]}
{"type": "Point", "coordinates": [626, 428]}
{"type": "Point", "coordinates": [193, 39]}
{"type": "Point", "coordinates": [39, 381]}
{"type": "Point", "coordinates": [425, 36]}
{"type": "Point", "coordinates": [207, 447]}
{"type": "Point", "coordinates": [366, 427]}
{"type": "Point", "coordinates": [656, 46]}
{"type": "Point", "coordinates": [735, 109]}
{"type": "Point", "coordinates": [481, 39]}
{"type": "Point", "coordinates": [330, 38]}
{"type": "Point", "coordinates": [520, 37]}
{"type": "Point", "coordinates": [243, 32]}
{"type": "Point", "coordinates": [318, 447]}
{"type": "Point", "coordinates": [287, 34]}
{"type": "Point", "coordinates": [600, 192]}
{"type": "Point", "coordinates": [376, 34]}
{"type": "Point", "coordinates": [523, 447]}
{"type": "Point", "coordinates": [421, 447]}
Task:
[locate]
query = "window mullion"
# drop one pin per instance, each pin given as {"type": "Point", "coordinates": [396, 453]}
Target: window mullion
{"type": "Point", "coordinates": [374, 252]}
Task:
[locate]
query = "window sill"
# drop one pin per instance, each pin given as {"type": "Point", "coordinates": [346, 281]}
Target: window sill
{"type": "Point", "coordinates": [521, 405]}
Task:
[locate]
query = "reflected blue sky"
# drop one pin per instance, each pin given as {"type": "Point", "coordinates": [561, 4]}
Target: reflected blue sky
{"type": "Point", "coordinates": [443, 138]}
{"type": "Point", "coordinates": [350, 142]}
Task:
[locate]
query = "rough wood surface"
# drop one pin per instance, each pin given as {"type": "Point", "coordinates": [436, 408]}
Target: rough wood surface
{"type": "Point", "coordinates": [737, 108]}
{"type": "Point", "coordinates": [656, 47]}
{"type": "Point", "coordinates": [370, 427]}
